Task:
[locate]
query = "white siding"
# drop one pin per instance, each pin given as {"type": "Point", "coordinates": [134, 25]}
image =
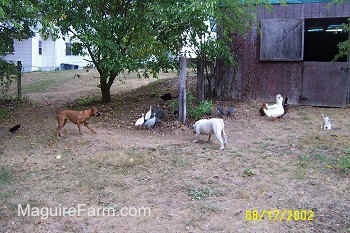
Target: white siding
{"type": "Point", "coordinates": [23, 52]}
{"type": "Point", "coordinates": [53, 55]}
{"type": "Point", "coordinates": [37, 59]}
{"type": "Point", "coordinates": [61, 57]}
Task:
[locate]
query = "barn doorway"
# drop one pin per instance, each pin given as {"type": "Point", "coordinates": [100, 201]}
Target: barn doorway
{"type": "Point", "coordinates": [321, 37]}
{"type": "Point", "coordinates": [325, 81]}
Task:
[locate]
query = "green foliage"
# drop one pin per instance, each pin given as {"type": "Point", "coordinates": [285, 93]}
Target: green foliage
{"type": "Point", "coordinates": [8, 73]}
{"type": "Point", "coordinates": [204, 108]}
{"type": "Point", "coordinates": [194, 111]}
{"type": "Point", "coordinates": [343, 163]}
{"type": "Point", "coordinates": [303, 161]}
{"type": "Point", "coordinates": [86, 101]}
{"type": "Point", "coordinates": [131, 35]}
{"type": "Point", "coordinates": [5, 113]}
{"type": "Point", "coordinates": [17, 18]}
{"type": "Point", "coordinates": [344, 47]}
{"type": "Point", "coordinates": [5, 176]}
{"type": "Point", "coordinates": [249, 172]}
{"type": "Point", "coordinates": [200, 193]}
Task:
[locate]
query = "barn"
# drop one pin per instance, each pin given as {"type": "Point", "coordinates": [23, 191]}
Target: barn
{"type": "Point", "coordinates": [291, 51]}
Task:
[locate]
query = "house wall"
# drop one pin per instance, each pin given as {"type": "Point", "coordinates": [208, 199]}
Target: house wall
{"type": "Point", "coordinates": [61, 58]}
{"type": "Point", "coordinates": [23, 52]}
{"type": "Point", "coordinates": [262, 80]}
{"type": "Point", "coordinates": [53, 55]}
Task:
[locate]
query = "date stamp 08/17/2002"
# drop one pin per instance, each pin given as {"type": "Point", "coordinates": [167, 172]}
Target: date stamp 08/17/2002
{"type": "Point", "coordinates": [279, 215]}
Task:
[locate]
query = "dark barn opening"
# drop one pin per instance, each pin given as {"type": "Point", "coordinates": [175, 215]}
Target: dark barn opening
{"type": "Point", "coordinates": [321, 37]}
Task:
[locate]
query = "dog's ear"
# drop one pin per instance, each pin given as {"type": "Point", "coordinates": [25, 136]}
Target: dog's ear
{"type": "Point", "coordinates": [93, 110]}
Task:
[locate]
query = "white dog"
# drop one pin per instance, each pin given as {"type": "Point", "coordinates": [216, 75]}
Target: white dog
{"type": "Point", "coordinates": [326, 124]}
{"type": "Point", "coordinates": [209, 127]}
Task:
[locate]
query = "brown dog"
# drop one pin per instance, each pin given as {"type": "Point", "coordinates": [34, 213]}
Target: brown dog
{"type": "Point", "coordinates": [77, 117]}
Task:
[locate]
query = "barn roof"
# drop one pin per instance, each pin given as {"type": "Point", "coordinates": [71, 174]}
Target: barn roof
{"type": "Point", "coordinates": [297, 1]}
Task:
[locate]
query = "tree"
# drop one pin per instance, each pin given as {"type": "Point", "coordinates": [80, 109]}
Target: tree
{"type": "Point", "coordinates": [16, 22]}
{"type": "Point", "coordinates": [233, 20]}
{"type": "Point", "coordinates": [118, 35]}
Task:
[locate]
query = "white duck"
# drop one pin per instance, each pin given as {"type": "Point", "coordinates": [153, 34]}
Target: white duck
{"type": "Point", "coordinates": [273, 110]}
{"type": "Point", "coordinates": [140, 121]}
{"type": "Point", "coordinates": [148, 114]}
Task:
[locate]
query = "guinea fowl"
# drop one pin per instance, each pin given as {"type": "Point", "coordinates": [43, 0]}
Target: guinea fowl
{"type": "Point", "coordinates": [230, 111]}
{"type": "Point", "coordinates": [151, 122]}
{"type": "Point", "coordinates": [273, 110]}
{"type": "Point", "coordinates": [226, 112]}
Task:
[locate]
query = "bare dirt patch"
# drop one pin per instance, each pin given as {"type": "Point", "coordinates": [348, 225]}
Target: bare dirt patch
{"type": "Point", "coordinates": [282, 164]}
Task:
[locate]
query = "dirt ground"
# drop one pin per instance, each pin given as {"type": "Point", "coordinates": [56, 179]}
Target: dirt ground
{"type": "Point", "coordinates": [286, 164]}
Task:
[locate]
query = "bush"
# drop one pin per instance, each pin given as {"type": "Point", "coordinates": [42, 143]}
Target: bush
{"type": "Point", "coordinates": [204, 108]}
{"type": "Point", "coordinates": [8, 72]}
{"type": "Point", "coordinates": [194, 112]}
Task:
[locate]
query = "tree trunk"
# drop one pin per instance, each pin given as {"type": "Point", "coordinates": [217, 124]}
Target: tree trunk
{"type": "Point", "coordinates": [200, 80]}
{"type": "Point", "coordinates": [182, 89]}
{"type": "Point", "coordinates": [106, 92]}
{"type": "Point", "coordinates": [106, 82]}
{"type": "Point", "coordinates": [228, 77]}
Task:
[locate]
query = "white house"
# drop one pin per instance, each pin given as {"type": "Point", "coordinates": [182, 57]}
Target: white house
{"type": "Point", "coordinates": [38, 54]}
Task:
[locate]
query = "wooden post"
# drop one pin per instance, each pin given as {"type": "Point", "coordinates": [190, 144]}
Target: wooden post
{"type": "Point", "coordinates": [19, 79]}
{"type": "Point", "coordinates": [182, 89]}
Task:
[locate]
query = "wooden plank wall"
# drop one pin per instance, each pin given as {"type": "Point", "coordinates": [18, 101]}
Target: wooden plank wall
{"type": "Point", "coordinates": [263, 80]}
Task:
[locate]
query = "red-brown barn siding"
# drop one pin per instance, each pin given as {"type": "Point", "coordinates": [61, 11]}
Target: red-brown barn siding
{"type": "Point", "coordinates": [262, 80]}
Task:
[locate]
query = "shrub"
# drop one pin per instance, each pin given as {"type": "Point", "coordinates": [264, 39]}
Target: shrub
{"type": "Point", "coordinates": [204, 108]}
{"type": "Point", "coordinates": [8, 73]}
{"type": "Point", "coordinates": [194, 112]}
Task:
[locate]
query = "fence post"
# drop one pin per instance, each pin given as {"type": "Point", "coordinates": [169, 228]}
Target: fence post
{"type": "Point", "coordinates": [182, 89]}
{"type": "Point", "coordinates": [19, 79]}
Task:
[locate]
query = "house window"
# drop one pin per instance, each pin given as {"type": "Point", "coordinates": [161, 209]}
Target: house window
{"type": "Point", "coordinates": [68, 49]}
{"type": "Point", "coordinates": [40, 45]}
{"type": "Point", "coordinates": [321, 38]}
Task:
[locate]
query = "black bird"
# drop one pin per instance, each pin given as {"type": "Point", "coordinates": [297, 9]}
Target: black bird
{"type": "Point", "coordinates": [159, 113]}
{"type": "Point", "coordinates": [166, 96]}
{"type": "Point", "coordinates": [15, 128]}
